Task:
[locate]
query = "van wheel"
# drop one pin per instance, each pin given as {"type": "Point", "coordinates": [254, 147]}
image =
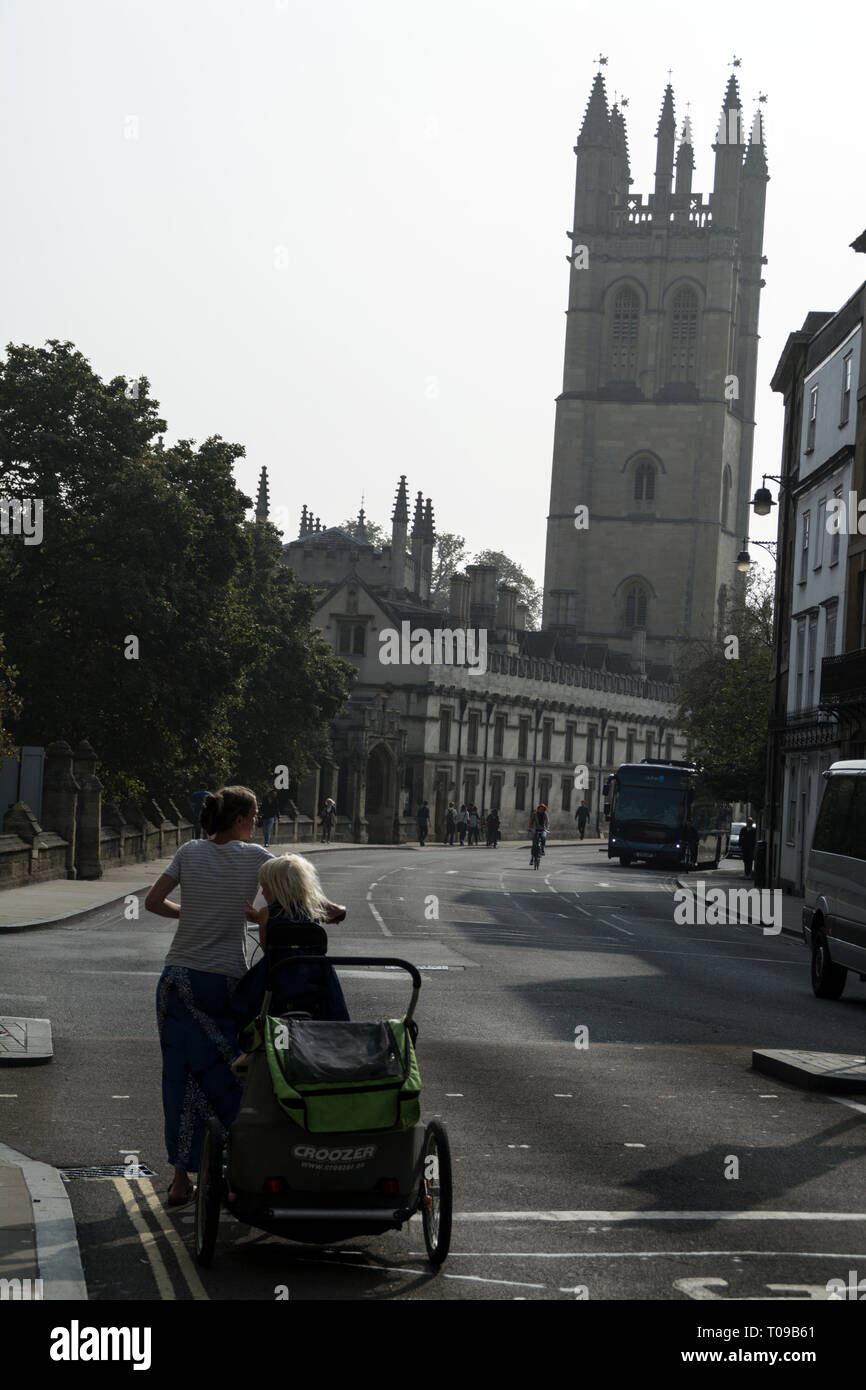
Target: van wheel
{"type": "Point", "coordinates": [828, 980]}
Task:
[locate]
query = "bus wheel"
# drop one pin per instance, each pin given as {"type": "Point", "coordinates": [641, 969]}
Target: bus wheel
{"type": "Point", "coordinates": [828, 979]}
{"type": "Point", "coordinates": [625, 860]}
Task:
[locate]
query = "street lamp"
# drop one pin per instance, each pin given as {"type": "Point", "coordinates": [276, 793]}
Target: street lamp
{"type": "Point", "coordinates": [744, 559]}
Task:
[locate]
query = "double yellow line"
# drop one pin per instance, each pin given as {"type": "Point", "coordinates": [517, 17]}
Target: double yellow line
{"type": "Point", "coordinates": [150, 1239]}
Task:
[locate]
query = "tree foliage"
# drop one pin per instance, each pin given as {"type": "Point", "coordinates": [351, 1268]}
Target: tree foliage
{"type": "Point", "coordinates": [724, 702]}
{"type": "Point", "coordinates": [373, 532]}
{"type": "Point", "coordinates": [10, 704]}
{"type": "Point", "coordinates": [153, 619]}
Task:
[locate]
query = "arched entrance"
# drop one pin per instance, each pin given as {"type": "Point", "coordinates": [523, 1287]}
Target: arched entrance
{"type": "Point", "coordinates": [379, 802]}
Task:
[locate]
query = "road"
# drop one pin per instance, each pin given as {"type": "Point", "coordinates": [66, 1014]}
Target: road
{"type": "Point", "coordinates": [590, 1058]}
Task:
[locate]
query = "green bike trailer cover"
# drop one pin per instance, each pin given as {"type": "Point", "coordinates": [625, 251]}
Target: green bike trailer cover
{"type": "Point", "coordinates": [339, 1078]}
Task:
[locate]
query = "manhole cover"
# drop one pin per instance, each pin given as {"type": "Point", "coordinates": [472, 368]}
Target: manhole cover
{"type": "Point", "coordinates": [108, 1170]}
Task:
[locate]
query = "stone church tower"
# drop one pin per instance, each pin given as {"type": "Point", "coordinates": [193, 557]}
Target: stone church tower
{"type": "Point", "coordinates": [654, 426]}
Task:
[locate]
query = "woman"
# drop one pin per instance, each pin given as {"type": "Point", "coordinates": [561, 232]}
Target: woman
{"type": "Point", "coordinates": [539, 824]}
{"type": "Point", "coordinates": [207, 957]}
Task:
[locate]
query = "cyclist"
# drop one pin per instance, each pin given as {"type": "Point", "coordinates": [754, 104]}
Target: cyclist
{"type": "Point", "coordinates": [539, 822]}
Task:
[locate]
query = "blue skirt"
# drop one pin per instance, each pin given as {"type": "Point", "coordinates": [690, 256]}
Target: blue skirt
{"type": "Point", "coordinates": [198, 1036]}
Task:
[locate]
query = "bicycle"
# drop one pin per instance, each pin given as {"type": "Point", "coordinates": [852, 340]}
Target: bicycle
{"type": "Point", "coordinates": [537, 848]}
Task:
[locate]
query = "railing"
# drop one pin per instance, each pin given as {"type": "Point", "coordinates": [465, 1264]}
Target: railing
{"type": "Point", "coordinates": [843, 677]}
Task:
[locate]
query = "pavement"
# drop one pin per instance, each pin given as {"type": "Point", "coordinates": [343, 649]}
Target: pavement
{"type": "Point", "coordinates": [732, 877]}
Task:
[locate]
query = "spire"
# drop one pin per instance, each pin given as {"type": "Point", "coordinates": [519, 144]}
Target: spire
{"type": "Point", "coordinates": [756, 155]}
{"type": "Point", "coordinates": [401, 503]}
{"type": "Point", "coordinates": [730, 131]}
{"type": "Point", "coordinates": [619, 140]}
{"type": "Point", "coordinates": [305, 524]}
{"type": "Point", "coordinates": [429, 528]}
{"type": "Point", "coordinates": [596, 123]}
{"type": "Point", "coordinates": [667, 123]}
{"type": "Point", "coordinates": [418, 518]}
{"type": "Point", "coordinates": [262, 501]}
{"type": "Point", "coordinates": [666, 135]}
{"type": "Point", "coordinates": [685, 164]}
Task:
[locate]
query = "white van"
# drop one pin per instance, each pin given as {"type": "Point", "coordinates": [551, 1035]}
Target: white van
{"type": "Point", "coordinates": [834, 914]}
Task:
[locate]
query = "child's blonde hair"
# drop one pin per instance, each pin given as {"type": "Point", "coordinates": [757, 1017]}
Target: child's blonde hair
{"type": "Point", "coordinates": [294, 884]}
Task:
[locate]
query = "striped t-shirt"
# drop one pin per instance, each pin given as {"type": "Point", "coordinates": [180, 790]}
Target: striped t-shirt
{"type": "Point", "coordinates": [215, 882]}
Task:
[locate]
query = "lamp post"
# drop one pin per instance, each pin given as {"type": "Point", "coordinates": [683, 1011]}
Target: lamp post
{"type": "Point", "coordinates": [762, 504]}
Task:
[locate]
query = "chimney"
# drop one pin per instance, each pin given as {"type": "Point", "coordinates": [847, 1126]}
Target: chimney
{"type": "Point", "coordinates": [506, 609]}
{"type": "Point", "coordinates": [458, 602]}
{"type": "Point", "coordinates": [482, 604]}
{"type": "Point", "coordinates": [521, 613]}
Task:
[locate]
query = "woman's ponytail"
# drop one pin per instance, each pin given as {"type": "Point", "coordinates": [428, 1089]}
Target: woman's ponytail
{"type": "Point", "coordinates": [221, 809]}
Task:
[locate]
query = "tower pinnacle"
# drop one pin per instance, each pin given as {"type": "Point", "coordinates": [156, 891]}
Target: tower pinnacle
{"type": "Point", "coordinates": [262, 500]}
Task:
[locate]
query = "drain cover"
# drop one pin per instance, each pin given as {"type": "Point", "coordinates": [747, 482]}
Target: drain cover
{"type": "Point", "coordinates": [107, 1170]}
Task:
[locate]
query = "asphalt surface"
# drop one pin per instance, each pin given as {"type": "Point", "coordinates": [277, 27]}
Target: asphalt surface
{"type": "Point", "coordinates": [590, 1058]}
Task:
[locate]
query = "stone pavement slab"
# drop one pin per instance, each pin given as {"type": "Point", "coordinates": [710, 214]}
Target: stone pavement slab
{"type": "Point", "coordinates": [816, 1071]}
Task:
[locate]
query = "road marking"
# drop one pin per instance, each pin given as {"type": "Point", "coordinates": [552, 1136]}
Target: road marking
{"type": "Point", "coordinates": [652, 1255]}
{"type": "Point", "coordinates": [155, 973]}
{"type": "Point", "coordinates": [28, 998]}
{"type": "Point", "coordinates": [125, 1098]}
{"type": "Point", "coordinates": [621, 1216]}
{"type": "Point", "coordinates": [615, 927]}
{"type": "Point", "coordinates": [634, 1146]}
{"type": "Point", "coordinates": [147, 1238]}
{"type": "Point", "coordinates": [852, 1104]}
{"type": "Point", "coordinates": [377, 915]}
{"type": "Point", "coordinates": [187, 1268]}
{"type": "Point", "coordinates": [8, 1095]}
{"type": "Point", "coordinates": [512, 1283]}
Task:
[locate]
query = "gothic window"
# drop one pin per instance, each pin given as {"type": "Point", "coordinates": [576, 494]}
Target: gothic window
{"type": "Point", "coordinates": [635, 606]}
{"type": "Point", "coordinates": [644, 482]}
{"type": "Point", "coordinates": [623, 336]}
{"type": "Point", "coordinates": [358, 637]}
{"type": "Point", "coordinates": [683, 336]}
{"type": "Point", "coordinates": [726, 494]}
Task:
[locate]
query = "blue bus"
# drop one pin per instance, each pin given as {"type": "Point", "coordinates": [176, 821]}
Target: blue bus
{"type": "Point", "coordinates": [663, 812]}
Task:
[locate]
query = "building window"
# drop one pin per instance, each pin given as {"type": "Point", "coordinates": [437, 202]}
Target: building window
{"type": "Point", "coordinates": [345, 638]}
{"type": "Point", "coordinates": [544, 790]}
{"type": "Point", "coordinates": [635, 606]}
{"type": "Point", "coordinates": [669, 747]}
{"type": "Point", "coordinates": [804, 548]}
{"type": "Point", "coordinates": [629, 745]}
{"type": "Point", "coordinates": [623, 336]}
{"type": "Point", "coordinates": [520, 791]}
{"type": "Point", "coordinates": [470, 787]}
{"type": "Point", "coordinates": [812, 653]}
{"type": "Point", "coordinates": [820, 528]}
{"type": "Point", "coordinates": [444, 731]}
{"type": "Point", "coordinates": [644, 482]}
{"type": "Point", "coordinates": [498, 735]}
{"type": "Point", "coordinates": [611, 748]}
{"type": "Point", "coordinates": [568, 755]}
{"type": "Point", "coordinates": [567, 788]}
{"type": "Point", "coordinates": [591, 735]}
{"type": "Point", "coordinates": [846, 389]}
{"type": "Point", "coordinates": [546, 739]}
{"type": "Point", "coordinates": [684, 336]}
{"type": "Point", "coordinates": [726, 494]}
{"type": "Point", "coordinates": [523, 736]}
{"type": "Point", "coordinates": [801, 657]}
{"type": "Point", "coordinates": [649, 745]}
{"type": "Point", "coordinates": [834, 539]}
{"type": "Point", "coordinates": [830, 613]}
{"type": "Point", "coordinates": [813, 419]}
{"type": "Point", "coordinates": [496, 792]}
{"type": "Point", "coordinates": [472, 732]}
{"type": "Point", "coordinates": [359, 639]}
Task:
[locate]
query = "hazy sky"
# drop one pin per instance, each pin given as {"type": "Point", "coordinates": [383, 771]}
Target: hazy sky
{"type": "Point", "coordinates": [335, 232]}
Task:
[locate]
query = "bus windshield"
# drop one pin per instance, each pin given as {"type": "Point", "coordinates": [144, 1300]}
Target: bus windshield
{"type": "Point", "coordinates": [664, 806]}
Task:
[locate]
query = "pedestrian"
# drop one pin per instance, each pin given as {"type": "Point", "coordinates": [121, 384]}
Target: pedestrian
{"type": "Point", "coordinates": [270, 814]}
{"type": "Point", "coordinates": [493, 828]}
{"type": "Point", "coordinates": [450, 823]}
{"type": "Point", "coordinates": [462, 823]}
{"type": "Point", "coordinates": [581, 815]}
{"type": "Point", "coordinates": [329, 819]}
{"type": "Point", "coordinates": [472, 812]}
{"type": "Point", "coordinates": [748, 835]}
{"type": "Point", "coordinates": [196, 801]}
{"type": "Point", "coordinates": [423, 819]}
{"type": "Point", "coordinates": [207, 957]}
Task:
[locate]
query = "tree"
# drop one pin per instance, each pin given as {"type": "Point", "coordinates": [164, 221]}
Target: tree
{"type": "Point", "coordinates": [134, 622]}
{"type": "Point", "coordinates": [724, 696]}
{"type": "Point", "coordinates": [509, 572]}
{"type": "Point", "coordinates": [373, 532]}
{"type": "Point", "coordinates": [449, 553]}
{"type": "Point", "coordinates": [10, 705]}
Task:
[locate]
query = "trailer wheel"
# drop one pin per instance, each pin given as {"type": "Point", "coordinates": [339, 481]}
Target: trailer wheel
{"type": "Point", "coordinates": [208, 1198]}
